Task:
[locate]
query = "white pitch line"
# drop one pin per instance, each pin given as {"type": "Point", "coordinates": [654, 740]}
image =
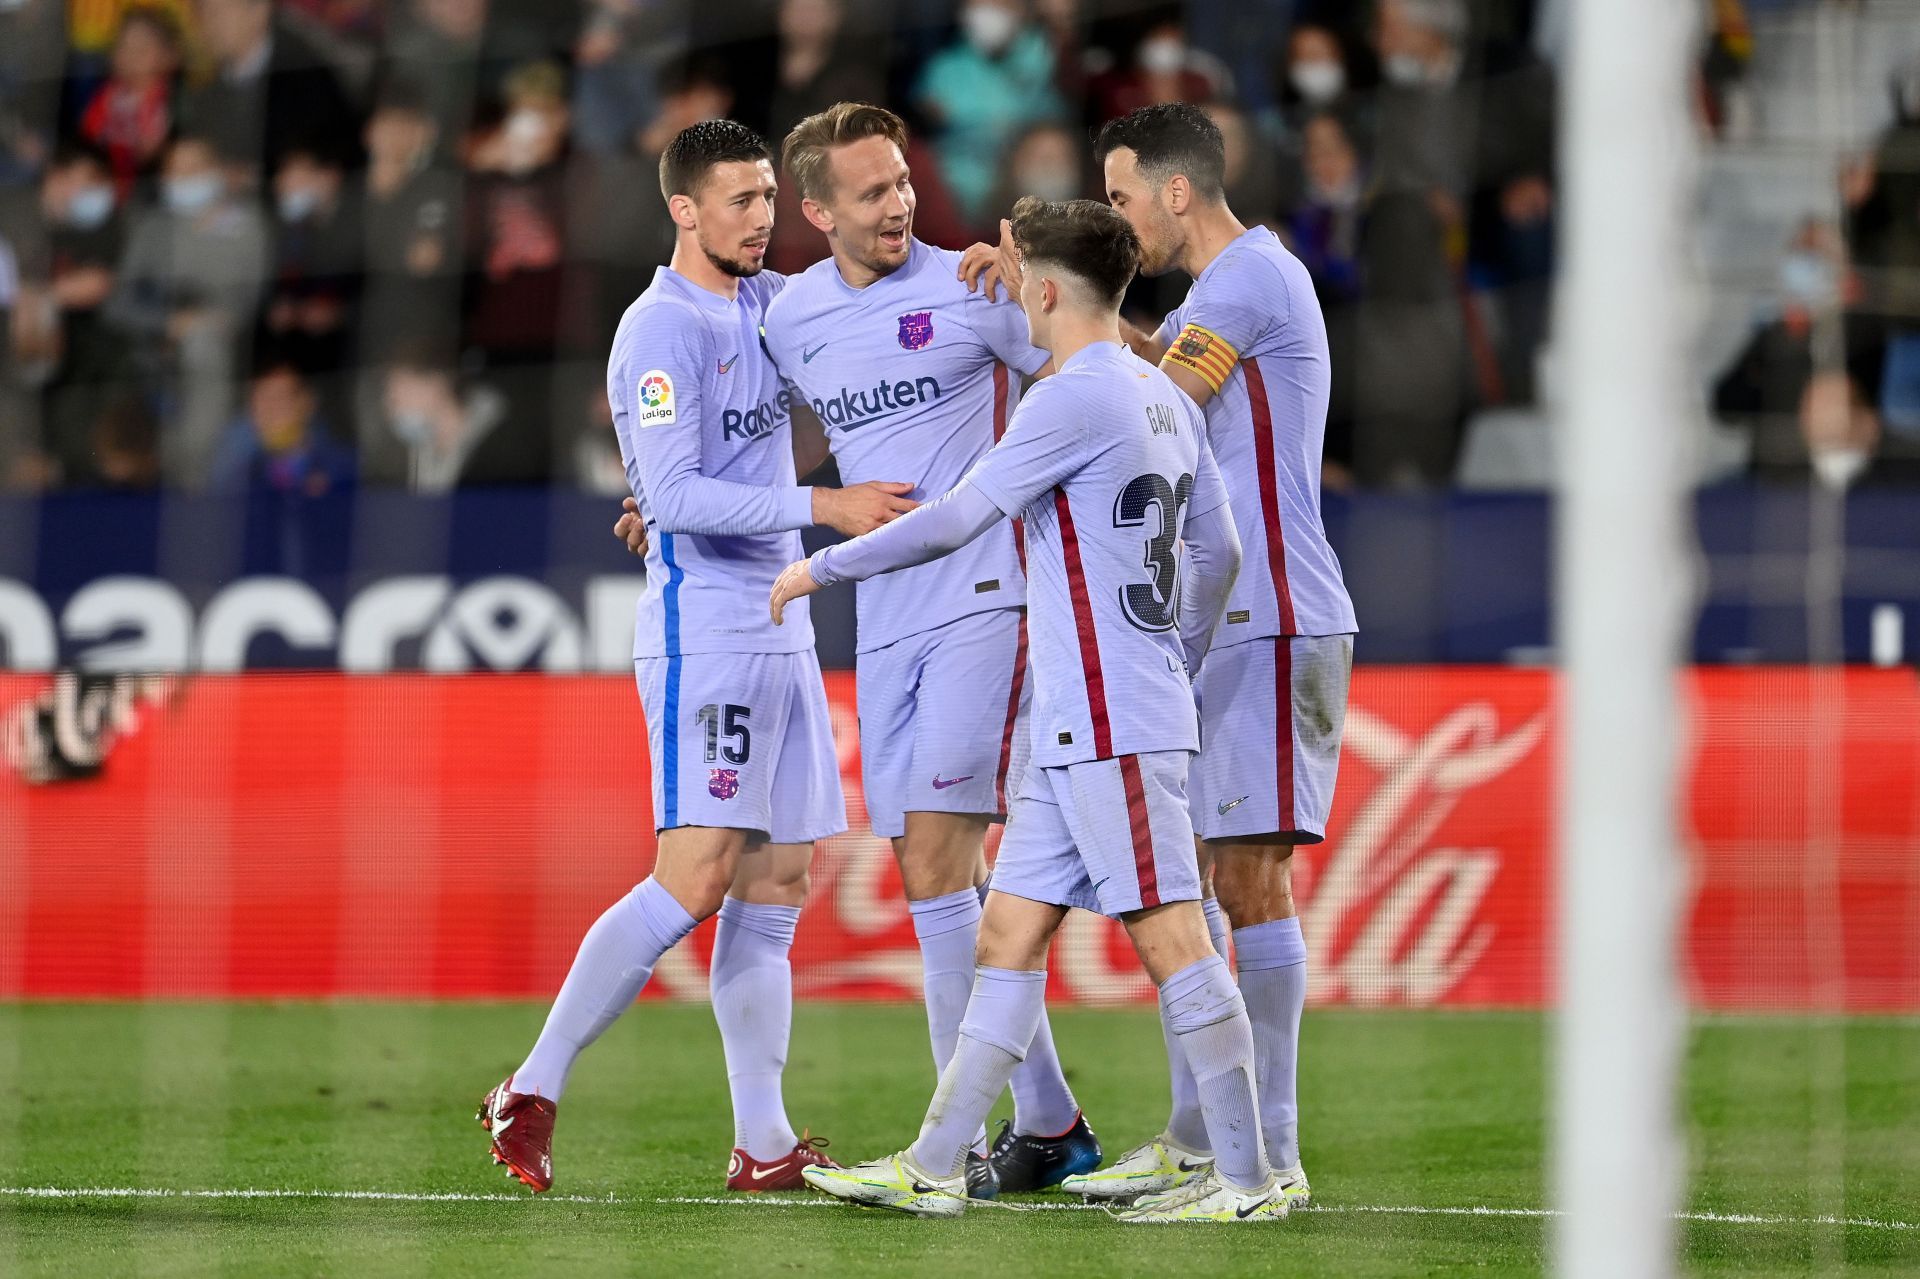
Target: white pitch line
{"type": "Point", "coordinates": [757, 1201]}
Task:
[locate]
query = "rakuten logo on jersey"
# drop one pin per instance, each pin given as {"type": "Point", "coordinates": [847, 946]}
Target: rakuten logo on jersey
{"type": "Point", "coordinates": [757, 422]}
{"type": "Point", "coordinates": [851, 409]}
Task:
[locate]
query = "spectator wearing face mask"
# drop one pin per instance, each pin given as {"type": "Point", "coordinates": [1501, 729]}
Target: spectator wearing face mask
{"type": "Point", "coordinates": [280, 443]}
{"type": "Point", "coordinates": [411, 211]}
{"type": "Point", "coordinates": [131, 115]}
{"type": "Point", "coordinates": [313, 304]}
{"type": "Point", "coordinates": [61, 343]}
{"type": "Point", "coordinates": [270, 88]}
{"type": "Point", "coordinates": [1164, 68]}
{"type": "Point", "coordinates": [436, 436]}
{"type": "Point", "coordinates": [185, 292]}
{"type": "Point", "coordinates": [980, 90]}
{"type": "Point", "coordinates": [1045, 160]}
{"type": "Point", "coordinates": [1803, 383]}
{"type": "Point", "coordinates": [1470, 127]}
{"type": "Point", "coordinates": [1317, 76]}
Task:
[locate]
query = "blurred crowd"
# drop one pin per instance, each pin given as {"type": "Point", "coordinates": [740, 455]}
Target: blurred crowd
{"type": "Point", "coordinates": [315, 244]}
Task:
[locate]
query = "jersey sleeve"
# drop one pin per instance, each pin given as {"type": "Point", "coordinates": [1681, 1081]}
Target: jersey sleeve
{"type": "Point", "coordinates": [941, 527]}
{"type": "Point", "coordinates": [1045, 443]}
{"type": "Point", "coordinates": [658, 400]}
{"type": "Point", "coordinates": [1209, 489]}
{"type": "Point", "coordinates": [1223, 320]}
{"type": "Point", "coordinates": [1002, 326]}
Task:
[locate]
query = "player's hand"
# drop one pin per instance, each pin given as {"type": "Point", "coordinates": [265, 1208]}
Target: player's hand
{"type": "Point", "coordinates": [861, 508]}
{"type": "Point", "coordinates": [980, 270]}
{"type": "Point", "coordinates": [631, 528]}
{"type": "Point", "coordinates": [795, 580]}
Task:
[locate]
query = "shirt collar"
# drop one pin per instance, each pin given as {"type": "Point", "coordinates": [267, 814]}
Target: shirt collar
{"type": "Point", "coordinates": [665, 277]}
{"type": "Point", "coordinates": [1094, 353]}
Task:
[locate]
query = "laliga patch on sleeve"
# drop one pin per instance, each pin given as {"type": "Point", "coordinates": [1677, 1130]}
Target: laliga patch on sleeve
{"type": "Point", "coordinates": [654, 399]}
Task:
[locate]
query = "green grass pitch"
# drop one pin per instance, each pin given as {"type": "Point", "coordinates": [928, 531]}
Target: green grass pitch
{"type": "Point", "coordinates": [1403, 1110]}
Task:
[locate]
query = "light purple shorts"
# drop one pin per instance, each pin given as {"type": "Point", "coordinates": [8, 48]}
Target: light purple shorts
{"type": "Point", "coordinates": [742, 741]}
{"type": "Point", "coordinates": [1111, 836]}
{"type": "Point", "coordinates": [1271, 715]}
{"type": "Point", "coordinates": [943, 719]}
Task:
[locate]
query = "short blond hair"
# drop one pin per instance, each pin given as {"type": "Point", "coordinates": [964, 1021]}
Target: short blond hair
{"type": "Point", "coordinates": [805, 153]}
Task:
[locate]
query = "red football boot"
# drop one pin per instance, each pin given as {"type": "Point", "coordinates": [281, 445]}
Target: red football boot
{"type": "Point", "coordinates": [751, 1175]}
{"type": "Point", "coordinates": [522, 1128]}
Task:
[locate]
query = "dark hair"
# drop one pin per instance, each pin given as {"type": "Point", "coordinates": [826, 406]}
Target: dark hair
{"type": "Point", "coordinates": [1085, 237]}
{"type": "Point", "coordinates": [804, 155]}
{"type": "Point", "coordinates": [156, 20]}
{"type": "Point", "coordinates": [74, 151]}
{"type": "Point", "coordinates": [401, 94]}
{"type": "Point", "coordinates": [695, 151]}
{"type": "Point", "coordinates": [1168, 139]}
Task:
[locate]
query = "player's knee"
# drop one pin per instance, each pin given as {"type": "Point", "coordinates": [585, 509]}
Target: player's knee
{"type": "Point", "coordinates": [1253, 884]}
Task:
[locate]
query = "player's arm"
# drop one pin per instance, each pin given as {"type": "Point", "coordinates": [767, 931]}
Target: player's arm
{"type": "Point", "coordinates": [1148, 346]}
{"type": "Point", "coordinates": [1210, 563]}
{"type": "Point", "coordinates": [1040, 449]}
{"type": "Point", "coordinates": [941, 527]}
{"type": "Point", "coordinates": [810, 447]}
{"type": "Point", "coordinates": [1218, 325]}
{"type": "Point", "coordinates": [665, 360]}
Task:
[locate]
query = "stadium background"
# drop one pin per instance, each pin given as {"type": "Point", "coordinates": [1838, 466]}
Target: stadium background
{"type": "Point", "coordinates": [313, 637]}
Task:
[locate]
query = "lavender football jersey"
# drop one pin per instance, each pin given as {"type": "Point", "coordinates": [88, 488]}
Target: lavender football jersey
{"type": "Point", "coordinates": [1252, 328]}
{"type": "Point", "coordinates": [705, 432]}
{"type": "Point", "coordinates": [1105, 460]}
{"type": "Point", "coordinates": [914, 378]}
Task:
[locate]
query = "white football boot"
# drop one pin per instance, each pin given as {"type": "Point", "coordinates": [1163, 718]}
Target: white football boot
{"type": "Point", "coordinates": [1151, 1169]}
{"type": "Point", "coordinates": [896, 1182]}
{"type": "Point", "coordinates": [1208, 1197]}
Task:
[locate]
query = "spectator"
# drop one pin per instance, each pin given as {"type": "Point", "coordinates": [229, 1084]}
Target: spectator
{"type": "Point", "coordinates": [61, 343]}
{"type": "Point", "coordinates": [516, 248]}
{"type": "Point", "coordinates": [458, 53]}
{"type": "Point", "coordinates": [1883, 230]}
{"type": "Point", "coordinates": [280, 444]}
{"type": "Point", "coordinates": [1491, 186]}
{"type": "Point", "coordinates": [623, 47]}
{"type": "Point", "coordinates": [319, 242]}
{"type": "Point", "coordinates": [126, 445]}
{"type": "Point", "coordinates": [270, 89]}
{"type": "Point", "coordinates": [1165, 68]}
{"type": "Point", "coordinates": [32, 50]}
{"type": "Point", "coordinates": [411, 210]}
{"type": "Point", "coordinates": [1046, 160]}
{"type": "Point", "coordinates": [1319, 75]}
{"type": "Point", "coordinates": [437, 437]}
{"type": "Point", "coordinates": [1785, 387]}
{"type": "Point", "coordinates": [1325, 232]}
{"type": "Point", "coordinates": [1251, 173]}
{"type": "Point", "coordinates": [185, 293]}
{"type": "Point", "coordinates": [598, 467]}
{"type": "Point", "coordinates": [817, 64]}
{"type": "Point", "coordinates": [131, 115]}
{"type": "Point", "coordinates": [981, 90]}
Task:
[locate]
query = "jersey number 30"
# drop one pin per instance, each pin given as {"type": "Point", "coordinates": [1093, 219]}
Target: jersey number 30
{"type": "Point", "coordinates": [1149, 605]}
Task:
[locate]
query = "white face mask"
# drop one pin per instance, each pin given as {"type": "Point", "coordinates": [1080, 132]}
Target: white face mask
{"type": "Point", "coordinates": [523, 139]}
{"type": "Point", "coordinates": [90, 207]}
{"type": "Point", "coordinates": [1405, 70]}
{"type": "Point", "coordinates": [298, 204]}
{"type": "Point", "coordinates": [989, 28]}
{"type": "Point", "coordinates": [1048, 184]}
{"type": "Point", "coordinates": [411, 426]}
{"type": "Point", "coordinates": [192, 195]}
{"type": "Point", "coordinates": [1808, 278]}
{"type": "Point", "coordinates": [1318, 81]}
{"type": "Point", "coordinates": [1839, 468]}
{"type": "Point", "coordinates": [1162, 55]}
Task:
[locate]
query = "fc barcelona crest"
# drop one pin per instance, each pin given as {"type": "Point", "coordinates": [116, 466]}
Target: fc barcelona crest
{"type": "Point", "coordinates": [723, 783]}
{"type": "Point", "coordinates": [916, 330]}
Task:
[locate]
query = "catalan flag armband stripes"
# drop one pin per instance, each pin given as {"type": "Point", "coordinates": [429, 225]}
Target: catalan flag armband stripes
{"type": "Point", "coordinates": [1205, 352]}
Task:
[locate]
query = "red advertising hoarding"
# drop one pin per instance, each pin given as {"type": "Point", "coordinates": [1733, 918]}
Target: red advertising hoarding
{"type": "Point", "coordinates": [452, 836]}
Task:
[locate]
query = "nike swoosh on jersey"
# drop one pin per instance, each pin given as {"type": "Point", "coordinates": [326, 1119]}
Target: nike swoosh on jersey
{"type": "Point", "coordinates": [806, 357]}
{"type": "Point", "coordinates": [727, 364]}
{"type": "Point", "coordinates": [939, 784]}
{"type": "Point", "coordinates": [1228, 805]}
